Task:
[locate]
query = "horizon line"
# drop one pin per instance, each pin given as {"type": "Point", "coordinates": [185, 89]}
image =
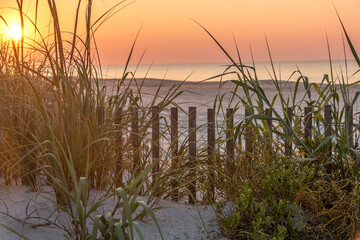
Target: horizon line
{"type": "Point", "coordinates": [227, 63]}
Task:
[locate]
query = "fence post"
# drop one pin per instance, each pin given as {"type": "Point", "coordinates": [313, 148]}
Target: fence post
{"type": "Point", "coordinates": [349, 122]}
{"type": "Point", "coordinates": [1, 146]}
{"type": "Point", "coordinates": [210, 152]}
{"type": "Point", "coordinates": [268, 141]}
{"type": "Point", "coordinates": [268, 113]}
{"type": "Point", "coordinates": [308, 123]}
{"type": "Point", "coordinates": [230, 138]}
{"type": "Point", "coordinates": [248, 137]}
{"type": "Point", "coordinates": [155, 138]}
{"type": "Point", "coordinates": [192, 153]}
{"type": "Point", "coordinates": [100, 115]}
{"type": "Point", "coordinates": [119, 141]}
{"type": "Point", "coordinates": [327, 124]}
{"type": "Point", "coordinates": [101, 167]}
{"type": "Point", "coordinates": [135, 139]}
{"type": "Point", "coordinates": [174, 149]}
{"type": "Point", "coordinates": [288, 144]}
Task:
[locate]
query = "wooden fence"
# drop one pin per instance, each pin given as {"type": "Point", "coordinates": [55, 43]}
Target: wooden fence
{"type": "Point", "coordinates": [211, 139]}
{"type": "Point", "coordinates": [230, 140]}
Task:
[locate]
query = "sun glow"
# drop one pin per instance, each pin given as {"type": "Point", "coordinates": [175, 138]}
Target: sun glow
{"type": "Point", "coordinates": [14, 32]}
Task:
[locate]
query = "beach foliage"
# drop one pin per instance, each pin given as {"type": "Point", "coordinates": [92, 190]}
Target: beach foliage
{"type": "Point", "coordinates": [61, 124]}
{"type": "Point", "coordinates": [290, 185]}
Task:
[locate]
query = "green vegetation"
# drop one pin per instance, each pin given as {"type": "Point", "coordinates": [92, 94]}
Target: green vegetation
{"type": "Point", "coordinates": [309, 191]}
{"type": "Point", "coordinates": [60, 129]}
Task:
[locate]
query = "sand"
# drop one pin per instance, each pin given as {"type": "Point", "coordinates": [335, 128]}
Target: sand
{"type": "Point", "coordinates": [203, 94]}
{"type": "Point", "coordinates": [176, 220]}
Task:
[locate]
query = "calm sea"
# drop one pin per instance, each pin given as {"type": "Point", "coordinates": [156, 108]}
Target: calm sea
{"type": "Point", "coordinates": [314, 70]}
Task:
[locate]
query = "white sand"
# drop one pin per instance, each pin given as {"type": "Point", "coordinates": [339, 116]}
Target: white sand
{"type": "Point", "coordinates": [203, 94]}
{"type": "Point", "coordinates": [177, 221]}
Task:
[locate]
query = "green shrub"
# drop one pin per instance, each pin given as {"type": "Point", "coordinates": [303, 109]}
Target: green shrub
{"type": "Point", "coordinates": [269, 212]}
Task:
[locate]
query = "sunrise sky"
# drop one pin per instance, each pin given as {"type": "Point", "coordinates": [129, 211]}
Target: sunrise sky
{"type": "Point", "coordinates": [295, 28]}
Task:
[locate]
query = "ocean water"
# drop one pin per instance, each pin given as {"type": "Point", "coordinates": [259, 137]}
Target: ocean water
{"type": "Point", "coordinates": [314, 70]}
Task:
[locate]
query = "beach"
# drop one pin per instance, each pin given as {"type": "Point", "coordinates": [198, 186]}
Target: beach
{"type": "Point", "coordinates": [28, 213]}
{"type": "Point", "coordinates": [205, 94]}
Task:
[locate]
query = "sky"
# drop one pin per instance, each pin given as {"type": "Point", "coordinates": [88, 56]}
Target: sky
{"type": "Point", "coordinates": [296, 29]}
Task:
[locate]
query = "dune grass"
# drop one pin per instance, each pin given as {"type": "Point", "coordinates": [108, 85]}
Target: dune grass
{"type": "Point", "coordinates": [311, 192]}
{"type": "Point", "coordinates": [60, 128]}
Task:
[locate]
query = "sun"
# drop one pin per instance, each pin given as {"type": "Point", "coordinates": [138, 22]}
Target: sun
{"type": "Point", "coordinates": [14, 32]}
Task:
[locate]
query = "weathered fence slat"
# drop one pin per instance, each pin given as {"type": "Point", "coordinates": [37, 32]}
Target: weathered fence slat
{"type": "Point", "coordinates": [100, 169]}
{"type": "Point", "coordinates": [268, 141]}
{"type": "Point", "coordinates": [155, 138]}
{"type": "Point", "coordinates": [2, 167]}
{"type": "Point", "coordinates": [249, 135]}
{"type": "Point", "coordinates": [100, 115]}
{"type": "Point", "coordinates": [230, 153]}
{"type": "Point", "coordinates": [192, 153]}
{"type": "Point", "coordinates": [349, 122]}
{"type": "Point", "coordinates": [328, 128]}
{"type": "Point", "coordinates": [268, 113]}
{"type": "Point", "coordinates": [174, 149]}
{"type": "Point", "coordinates": [308, 122]}
{"type": "Point", "coordinates": [288, 144]}
{"type": "Point", "coordinates": [135, 140]}
{"type": "Point", "coordinates": [119, 141]}
{"type": "Point", "coordinates": [210, 152]}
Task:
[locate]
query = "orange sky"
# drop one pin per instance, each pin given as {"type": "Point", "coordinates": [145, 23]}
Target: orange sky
{"type": "Point", "coordinates": [295, 28]}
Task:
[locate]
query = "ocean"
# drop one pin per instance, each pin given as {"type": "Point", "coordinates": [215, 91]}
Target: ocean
{"type": "Point", "coordinates": [314, 70]}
